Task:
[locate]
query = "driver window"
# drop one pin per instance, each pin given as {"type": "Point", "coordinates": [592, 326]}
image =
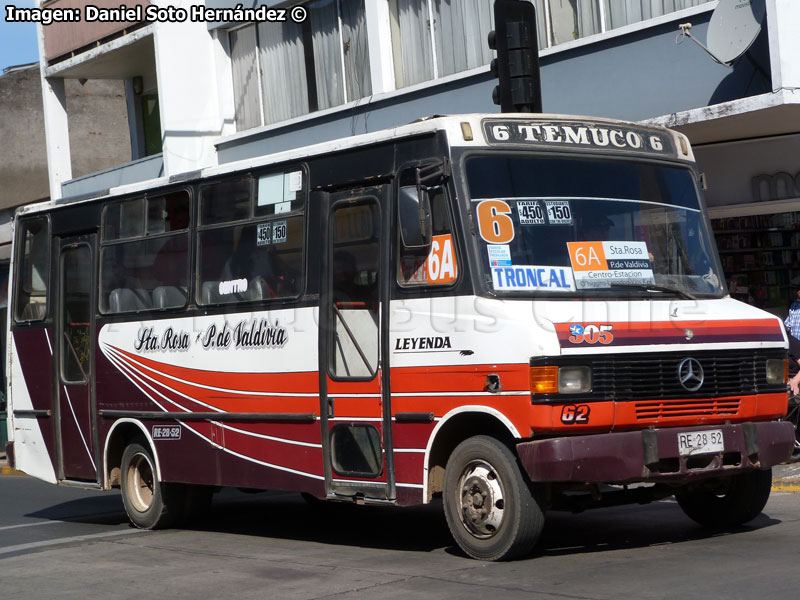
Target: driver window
{"type": "Point", "coordinates": [436, 265]}
{"type": "Point", "coordinates": [32, 275]}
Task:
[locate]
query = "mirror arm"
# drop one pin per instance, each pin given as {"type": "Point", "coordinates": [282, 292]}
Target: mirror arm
{"type": "Point", "coordinates": [438, 170]}
{"type": "Point", "coordinates": [421, 209]}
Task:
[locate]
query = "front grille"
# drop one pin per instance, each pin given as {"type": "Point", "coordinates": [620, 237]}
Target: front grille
{"type": "Point", "coordinates": [660, 409]}
{"type": "Point", "coordinates": [654, 376]}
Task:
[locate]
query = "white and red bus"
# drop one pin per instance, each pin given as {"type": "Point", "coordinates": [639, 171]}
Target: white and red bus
{"type": "Point", "coordinates": [516, 313]}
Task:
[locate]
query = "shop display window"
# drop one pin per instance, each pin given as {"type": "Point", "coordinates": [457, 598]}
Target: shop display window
{"type": "Point", "coordinates": [761, 258]}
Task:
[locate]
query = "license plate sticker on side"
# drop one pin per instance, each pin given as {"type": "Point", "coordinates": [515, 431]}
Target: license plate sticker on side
{"type": "Point", "coordinates": [700, 442]}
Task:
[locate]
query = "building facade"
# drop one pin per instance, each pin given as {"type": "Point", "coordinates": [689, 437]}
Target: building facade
{"type": "Point", "coordinates": [98, 132]}
{"type": "Point", "coordinates": [214, 87]}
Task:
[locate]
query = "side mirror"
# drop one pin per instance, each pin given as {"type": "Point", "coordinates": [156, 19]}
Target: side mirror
{"type": "Point", "coordinates": [416, 226]}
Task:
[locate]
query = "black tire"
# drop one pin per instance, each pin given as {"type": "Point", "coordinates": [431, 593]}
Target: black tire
{"type": "Point", "coordinates": [149, 503]}
{"type": "Point", "coordinates": [726, 502]}
{"type": "Point", "coordinates": [489, 507]}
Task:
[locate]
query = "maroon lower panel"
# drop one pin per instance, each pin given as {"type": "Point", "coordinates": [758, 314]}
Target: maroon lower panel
{"type": "Point", "coordinates": [77, 439]}
{"type": "Point", "coordinates": [36, 362]}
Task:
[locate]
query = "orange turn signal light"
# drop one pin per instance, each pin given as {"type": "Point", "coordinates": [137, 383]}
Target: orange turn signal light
{"type": "Point", "coordinates": [544, 380]}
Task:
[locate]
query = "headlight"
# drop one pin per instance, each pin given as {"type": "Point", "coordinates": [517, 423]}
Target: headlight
{"type": "Point", "coordinates": [777, 370]}
{"type": "Point", "coordinates": [574, 380]}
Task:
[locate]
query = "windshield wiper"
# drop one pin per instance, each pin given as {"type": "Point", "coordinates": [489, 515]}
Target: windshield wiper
{"type": "Point", "coordinates": [652, 287]}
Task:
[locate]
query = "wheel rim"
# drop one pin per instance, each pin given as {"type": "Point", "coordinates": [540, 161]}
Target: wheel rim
{"type": "Point", "coordinates": [482, 500]}
{"type": "Point", "coordinates": [140, 483]}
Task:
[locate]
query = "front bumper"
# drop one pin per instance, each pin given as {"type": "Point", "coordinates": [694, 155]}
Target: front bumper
{"type": "Point", "coordinates": [652, 454]}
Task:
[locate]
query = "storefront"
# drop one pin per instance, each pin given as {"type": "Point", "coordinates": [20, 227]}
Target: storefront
{"type": "Point", "coordinates": [753, 197]}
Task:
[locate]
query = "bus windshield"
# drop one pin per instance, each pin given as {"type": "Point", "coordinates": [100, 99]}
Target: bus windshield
{"type": "Point", "coordinates": [591, 226]}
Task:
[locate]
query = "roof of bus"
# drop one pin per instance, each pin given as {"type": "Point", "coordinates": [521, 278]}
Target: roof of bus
{"type": "Point", "coordinates": [455, 126]}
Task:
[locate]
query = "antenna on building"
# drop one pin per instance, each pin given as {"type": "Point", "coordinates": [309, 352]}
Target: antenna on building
{"type": "Point", "coordinates": [734, 26]}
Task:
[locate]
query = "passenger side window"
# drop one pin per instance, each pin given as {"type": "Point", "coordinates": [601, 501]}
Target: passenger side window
{"type": "Point", "coordinates": [250, 243]}
{"type": "Point", "coordinates": [355, 262]}
{"type": "Point", "coordinates": [76, 283]}
{"type": "Point", "coordinates": [438, 264]}
{"type": "Point", "coordinates": [356, 450]}
{"type": "Point", "coordinates": [144, 254]}
{"type": "Point", "coordinates": [33, 271]}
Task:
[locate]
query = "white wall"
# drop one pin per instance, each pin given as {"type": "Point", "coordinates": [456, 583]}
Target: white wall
{"type": "Point", "coordinates": [730, 168]}
{"type": "Point", "coordinates": [783, 21]}
{"type": "Point", "coordinates": [194, 104]}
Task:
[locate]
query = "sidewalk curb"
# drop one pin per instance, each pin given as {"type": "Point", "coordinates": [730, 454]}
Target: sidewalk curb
{"type": "Point", "coordinates": [786, 485]}
{"type": "Point", "coordinates": [9, 471]}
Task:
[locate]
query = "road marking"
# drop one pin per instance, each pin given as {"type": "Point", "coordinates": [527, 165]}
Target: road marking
{"type": "Point", "coordinates": [75, 519]}
{"type": "Point", "coordinates": [67, 540]}
{"type": "Point", "coordinates": [37, 523]}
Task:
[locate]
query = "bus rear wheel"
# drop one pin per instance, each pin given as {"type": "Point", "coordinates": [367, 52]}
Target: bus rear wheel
{"type": "Point", "coordinates": [149, 503]}
{"type": "Point", "coordinates": [489, 507]}
{"type": "Point", "coordinates": [726, 502]}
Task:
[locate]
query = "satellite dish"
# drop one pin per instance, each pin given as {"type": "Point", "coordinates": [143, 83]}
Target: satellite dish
{"type": "Point", "coordinates": [734, 26]}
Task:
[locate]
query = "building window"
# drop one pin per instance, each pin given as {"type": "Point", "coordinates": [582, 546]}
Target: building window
{"type": "Point", "coordinates": [573, 19]}
{"type": "Point", "coordinates": [619, 13]}
{"type": "Point", "coordinates": [456, 42]}
{"type": "Point", "coordinates": [151, 124]}
{"type": "Point", "coordinates": [282, 70]}
{"type": "Point", "coordinates": [569, 20]}
{"type": "Point", "coordinates": [144, 117]}
{"type": "Point", "coordinates": [246, 80]}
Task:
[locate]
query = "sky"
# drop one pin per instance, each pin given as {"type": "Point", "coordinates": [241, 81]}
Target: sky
{"type": "Point", "coordinates": [17, 40]}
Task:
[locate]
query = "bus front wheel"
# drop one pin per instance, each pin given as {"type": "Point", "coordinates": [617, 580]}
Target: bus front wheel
{"type": "Point", "coordinates": [489, 507]}
{"type": "Point", "coordinates": [726, 502]}
{"type": "Point", "coordinates": [147, 500]}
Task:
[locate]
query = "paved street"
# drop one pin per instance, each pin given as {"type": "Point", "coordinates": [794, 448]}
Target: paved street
{"type": "Point", "coordinates": [67, 543]}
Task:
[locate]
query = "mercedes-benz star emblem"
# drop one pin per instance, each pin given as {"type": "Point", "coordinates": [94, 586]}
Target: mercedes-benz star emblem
{"type": "Point", "coordinates": [690, 374]}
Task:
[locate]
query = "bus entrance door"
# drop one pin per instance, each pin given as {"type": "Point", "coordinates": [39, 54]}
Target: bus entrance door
{"type": "Point", "coordinates": [355, 408]}
{"type": "Point", "coordinates": [75, 359]}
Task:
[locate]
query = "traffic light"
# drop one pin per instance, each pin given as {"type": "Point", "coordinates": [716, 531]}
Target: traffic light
{"type": "Point", "coordinates": [517, 62]}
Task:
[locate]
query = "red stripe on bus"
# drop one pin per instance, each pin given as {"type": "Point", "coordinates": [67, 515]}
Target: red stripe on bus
{"type": "Point", "coordinates": [296, 382]}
